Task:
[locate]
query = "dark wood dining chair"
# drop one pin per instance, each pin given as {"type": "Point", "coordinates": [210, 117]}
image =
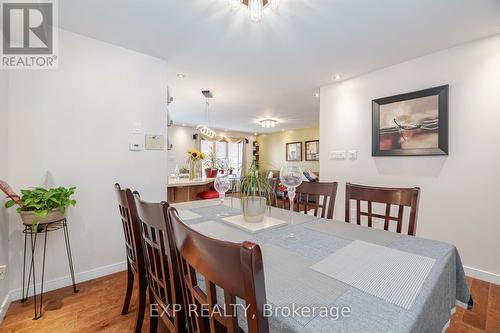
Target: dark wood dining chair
{"type": "Point", "coordinates": [161, 265]}
{"type": "Point", "coordinates": [235, 268]}
{"type": "Point", "coordinates": [273, 188]}
{"type": "Point", "coordinates": [318, 196]}
{"type": "Point", "coordinates": [135, 257]}
{"type": "Point", "coordinates": [400, 197]}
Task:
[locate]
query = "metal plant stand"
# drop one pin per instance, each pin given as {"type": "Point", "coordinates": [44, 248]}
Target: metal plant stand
{"type": "Point", "coordinates": [33, 235]}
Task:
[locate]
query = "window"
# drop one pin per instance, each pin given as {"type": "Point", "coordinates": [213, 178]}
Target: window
{"type": "Point", "coordinates": [230, 152]}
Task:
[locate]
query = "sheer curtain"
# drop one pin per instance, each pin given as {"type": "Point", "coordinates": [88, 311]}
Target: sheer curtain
{"type": "Point", "coordinates": [231, 150]}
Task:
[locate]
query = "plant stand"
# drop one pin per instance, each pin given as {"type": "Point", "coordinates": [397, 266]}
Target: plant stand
{"type": "Point", "coordinates": [33, 235]}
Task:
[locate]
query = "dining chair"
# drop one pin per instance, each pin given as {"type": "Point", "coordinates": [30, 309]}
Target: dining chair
{"type": "Point", "coordinates": [232, 269]}
{"type": "Point", "coordinates": [318, 196]}
{"type": "Point", "coordinates": [400, 197]}
{"type": "Point", "coordinates": [273, 188]}
{"type": "Point", "coordinates": [163, 278]}
{"type": "Point", "coordinates": [134, 251]}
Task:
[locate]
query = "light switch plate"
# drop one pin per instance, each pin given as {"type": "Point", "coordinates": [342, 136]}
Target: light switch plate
{"type": "Point", "coordinates": [136, 146]}
{"type": "Point", "coordinates": [155, 142]}
{"type": "Point", "coordinates": [338, 155]}
{"type": "Point", "coordinates": [353, 154]}
{"type": "Point", "coordinates": [3, 272]}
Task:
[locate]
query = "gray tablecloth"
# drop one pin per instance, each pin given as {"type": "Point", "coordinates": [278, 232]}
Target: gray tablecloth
{"type": "Point", "coordinates": [290, 280]}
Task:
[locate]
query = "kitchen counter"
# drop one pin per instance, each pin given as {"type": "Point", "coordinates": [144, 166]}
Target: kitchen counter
{"type": "Point", "coordinates": [184, 189]}
{"type": "Point", "coordinates": [174, 182]}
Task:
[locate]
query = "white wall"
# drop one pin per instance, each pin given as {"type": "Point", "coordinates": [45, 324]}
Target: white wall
{"type": "Point", "coordinates": [4, 249]}
{"type": "Point", "coordinates": [181, 137]}
{"type": "Point", "coordinates": [70, 127]}
{"type": "Point", "coordinates": [459, 198]}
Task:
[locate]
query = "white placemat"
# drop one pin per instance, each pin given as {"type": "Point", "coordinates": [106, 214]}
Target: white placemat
{"type": "Point", "coordinates": [392, 275]}
{"type": "Point", "coordinates": [220, 231]}
{"type": "Point", "coordinates": [186, 215]}
{"type": "Point", "coordinates": [290, 281]}
{"type": "Point", "coordinates": [253, 227]}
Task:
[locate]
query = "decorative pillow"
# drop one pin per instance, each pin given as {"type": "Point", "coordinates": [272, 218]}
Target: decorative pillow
{"type": "Point", "coordinates": [270, 175]}
{"type": "Point", "coordinates": [313, 175]}
{"type": "Point", "coordinates": [210, 194]}
{"type": "Point", "coordinates": [306, 177]}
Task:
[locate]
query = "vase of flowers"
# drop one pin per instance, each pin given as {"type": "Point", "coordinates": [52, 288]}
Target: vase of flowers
{"type": "Point", "coordinates": [194, 158]}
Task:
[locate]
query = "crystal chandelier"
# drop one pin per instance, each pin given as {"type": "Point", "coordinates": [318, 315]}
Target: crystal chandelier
{"type": "Point", "coordinates": [255, 7]}
{"type": "Point", "coordinates": [268, 123]}
{"type": "Point", "coordinates": [204, 129]}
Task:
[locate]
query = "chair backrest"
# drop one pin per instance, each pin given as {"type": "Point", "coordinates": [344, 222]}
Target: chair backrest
{"type": "Point", "coordinates": [161, 263]}
{"type": "Point", "coordinates": [400, 197]}
{"type": "Point", "coordinates": [235, 268]}
{"type": "Point", "coordinates": [131, 229]}
{"type": "Point", "coordinates": [316, 195]}
{"type": "Point", "coordinates": [273, 188]}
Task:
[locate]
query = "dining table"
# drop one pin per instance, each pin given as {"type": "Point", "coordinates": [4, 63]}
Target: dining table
{"type": "Point", "coordinates": [388, 282]}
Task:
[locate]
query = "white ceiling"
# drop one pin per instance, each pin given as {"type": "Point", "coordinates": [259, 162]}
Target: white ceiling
{"type": "Point", "coordinates": [273, 68]}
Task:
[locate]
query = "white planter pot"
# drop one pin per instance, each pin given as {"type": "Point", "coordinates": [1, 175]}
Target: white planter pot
{"type": "Point", "coordinates": [254, 208]}
{"type": "Point", "coordinates": [29, 218]}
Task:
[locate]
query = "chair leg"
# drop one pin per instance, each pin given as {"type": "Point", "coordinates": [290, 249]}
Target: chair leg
{"type": "Point", "coordinates": [130, 288]}
{"type": "Point", "coordinates": [153, 320]}
{"type": "Point", "coordinates": [142, 304]}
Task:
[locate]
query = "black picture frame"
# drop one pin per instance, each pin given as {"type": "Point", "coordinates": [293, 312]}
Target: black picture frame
{"type": "Point", "coordinates": [299, 149]}
{"type": "Point", "coordinates": [442, 149]}
{"type": "Point", "coordinates": [308, 153]}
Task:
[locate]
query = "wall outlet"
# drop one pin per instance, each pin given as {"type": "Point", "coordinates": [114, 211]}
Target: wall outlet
{"type": "Point", "coordinates": [338, 155]}
{"type": "Point", "coordinates": [3, 272]}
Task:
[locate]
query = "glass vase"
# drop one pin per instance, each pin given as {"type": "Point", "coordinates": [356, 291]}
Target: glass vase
{"type": "Point", "coordinates": [192, 169]}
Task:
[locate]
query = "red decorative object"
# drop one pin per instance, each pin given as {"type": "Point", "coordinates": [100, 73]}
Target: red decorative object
{"type": "Point", "coordinates": [210, 194]}
{"type": "Point", "coordinates": [211, 173]}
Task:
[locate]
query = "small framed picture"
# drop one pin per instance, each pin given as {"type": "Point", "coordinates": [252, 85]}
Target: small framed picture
{"type": "Point", "coordinates": [294, 151]}
{"type": "Point", "coordinates": [312, 150]}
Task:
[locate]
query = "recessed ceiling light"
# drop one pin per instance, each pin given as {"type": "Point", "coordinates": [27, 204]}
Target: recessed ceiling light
{"type": "Point", "coordinates": [316, 94]}
{"type": "Point", "coordinates": [338, 77]}
{"type": "Point", "coordinates": [181, 76]}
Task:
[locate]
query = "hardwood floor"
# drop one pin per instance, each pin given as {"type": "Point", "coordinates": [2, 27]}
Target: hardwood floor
{"type": "Point", "coordinates": [97, 307]}
{"type": "Point", "coordinates": [485, 317]}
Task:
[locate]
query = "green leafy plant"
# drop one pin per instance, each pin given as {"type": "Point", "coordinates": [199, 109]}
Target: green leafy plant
{"type": "Point", "coordinates": [211, 161]}
{"type": "Point", "coordinates": [41, 201]}
{"type": "Point", "coordinates": [254, 184]}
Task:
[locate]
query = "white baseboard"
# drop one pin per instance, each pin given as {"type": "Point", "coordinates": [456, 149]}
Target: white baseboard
{"type": "Point", "coordinates": [65, 281]}
{"type": "Point", "coordinates": [482, 275]}
{"type": "Point", "coordinates": [4, 307]}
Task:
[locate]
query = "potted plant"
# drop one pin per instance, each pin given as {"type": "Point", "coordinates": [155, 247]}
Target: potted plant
{"type": "Point", "coordinates": [255, 194]}
{"type": "Point", "coordinates": [211, 164]}
{"type": "Point", "coordinates": [194, 156]}
{"type": "Point", "coordinates": [41, 206]}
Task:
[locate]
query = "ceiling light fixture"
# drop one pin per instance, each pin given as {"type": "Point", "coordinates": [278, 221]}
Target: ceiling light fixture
{"type": "Point", "coordinates": [255, 7]}
{"type": "Point", "coordinates": [338, 77]}
{"type": "Point", "coordinates": [205, 129]}
{"type": "Point", "coordinates": [268, 123]}
{"type": "Point", "coordinates": [181, 76]}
